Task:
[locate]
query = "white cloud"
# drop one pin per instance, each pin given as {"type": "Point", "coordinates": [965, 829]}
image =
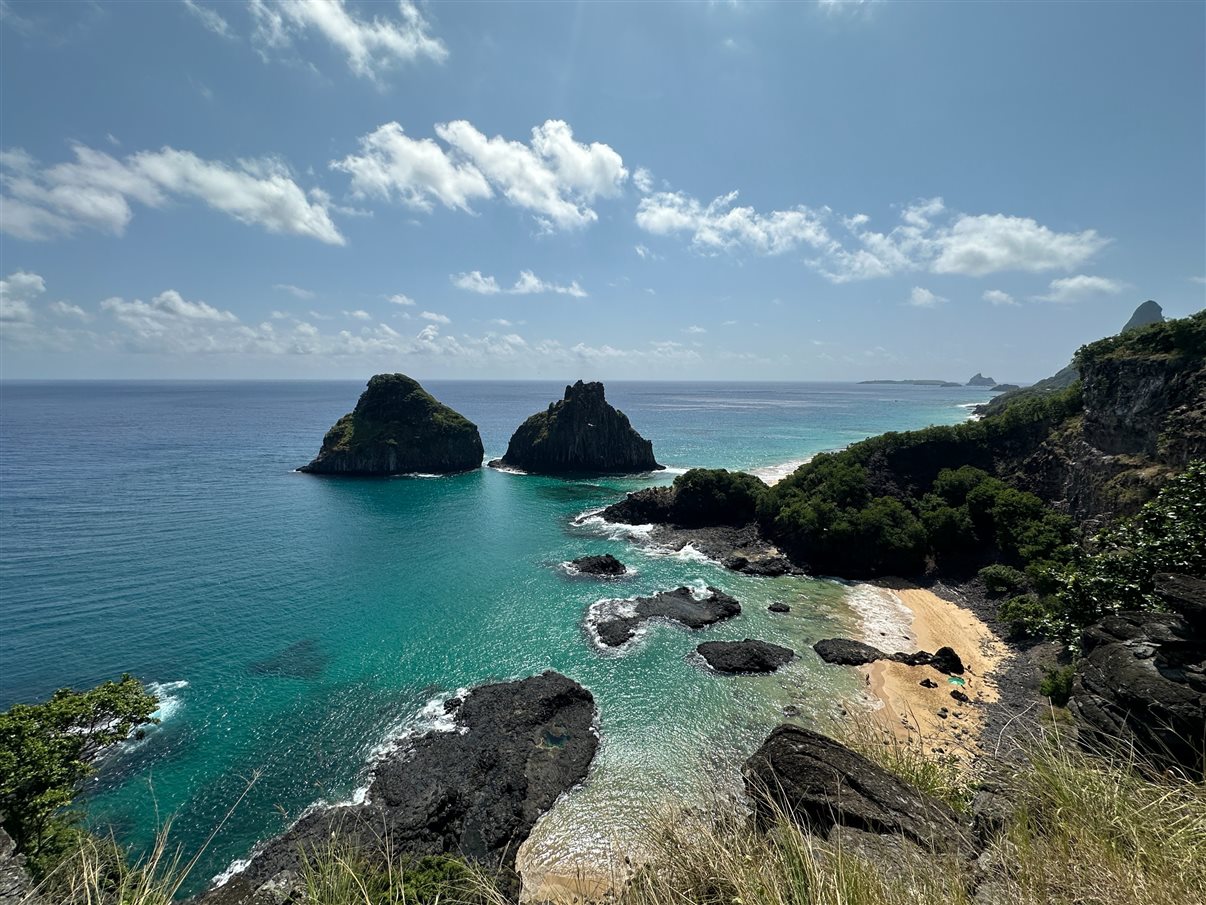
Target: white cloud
{"type": "Point", "coordinates": [643, 180]}
{"type": "Point", "coordinates": [527, 284]}
{"type": "Point", "coordinates": [502, 322]}
{"type": "Point", "coordinates": [1081, 286]}
{"type": "Point", "coordinates": [923, 298]}
{"type": "Point", "coordinates": [295, 291]}
{"type": "Point", "coordinates": [694, 328]}
{"type": "Point", "coordinates": [372, 47]}
{"type": "Point", "coordinates": [928, 238]}
{"type": "Point", "coordinates": [95, 191]}
{"type": "Point", "coordinates": [435, 317]}
{"type": "Point", "coordinates": [209, 18]}
{"type": "Point", "coordinates": [65, 309]}
{"type": "Point", "coordinates": [645, 253]}
{"type": "Point", "coordinates": [997, 297]}
{"type": "Point", "coordinates": [554, 177]}
{"type": "Point", "coordinates": [400, 299]}
{"type": "Point", "coordinates": [359, 314]}
{"type": "Point", "coordinates": [16, 293]}
{"type": "Point", "coordinates": [1197, 279]}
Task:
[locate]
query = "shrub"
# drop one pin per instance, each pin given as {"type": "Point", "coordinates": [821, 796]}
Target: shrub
{"type": "Point", "coordinates": [1000, 580]}
{"type": "Point", "coordinates": [714, 496]}
{"type": "Point", "coordinates": [1028, 616]}
{"type": "Point", "coordinates": [1057, 685]}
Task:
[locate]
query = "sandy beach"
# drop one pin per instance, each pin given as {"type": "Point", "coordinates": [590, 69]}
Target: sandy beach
{"type": "Point", "coordinates": [914, 712]}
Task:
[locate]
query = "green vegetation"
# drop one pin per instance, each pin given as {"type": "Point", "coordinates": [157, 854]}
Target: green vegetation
{"type": "Point", "coordinates": [46, 752]}
{"type": "Point", "coordinates": [342, 874]}
{"type": "Point", "coordinates": [1183, 337]}
{"type": "Point", "coordinates": [1057, 685]}
{"type": "Point", "coordinates": [1000, 580]}
{"type": "Point", "coordinates": [715, 496]}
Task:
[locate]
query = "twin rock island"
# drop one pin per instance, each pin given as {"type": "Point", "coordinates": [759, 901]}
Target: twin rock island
{"type": "Point", "coordinates": [398, 427]}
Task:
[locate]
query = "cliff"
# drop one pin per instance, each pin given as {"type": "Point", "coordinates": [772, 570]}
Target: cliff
{"type": "Point", "coordinates": [581, 434]}
{"type": "Point", "coordinates": [398, 427]}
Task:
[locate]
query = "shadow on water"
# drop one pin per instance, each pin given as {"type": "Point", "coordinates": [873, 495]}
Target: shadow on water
{"type": "Point", "coordinates": [300, 660]}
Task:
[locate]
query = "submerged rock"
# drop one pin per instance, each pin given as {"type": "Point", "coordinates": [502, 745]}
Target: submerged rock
{"type": "Point", "coordinates": [581, 434]}
{"type": "Point", "coordinates": [679, 605]}
{"type": "Point", "coordinates": [474, 792]}
{"type": "Point", "coordinates": [822, 784]}
{"type": "Point", "coordinates": [606, 565]}
{"type": "Point", "coordinates": [748, 656]}
{"type": "Point", "coordinates": [398, 427]}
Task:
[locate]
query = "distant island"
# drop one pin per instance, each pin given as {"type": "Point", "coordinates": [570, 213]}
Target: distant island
{"type": "Point", "coordinates": [916, 383]}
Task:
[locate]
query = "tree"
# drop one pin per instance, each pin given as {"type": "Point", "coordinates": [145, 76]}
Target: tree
{"type": "Point", "coordinates": [47, 751]}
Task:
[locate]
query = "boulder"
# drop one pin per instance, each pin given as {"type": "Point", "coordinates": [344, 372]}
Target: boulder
{"type": "Point", "coordinates": [650, 506]}
{"type": "Point", "coordinates": [946, 660]}
{"type": "Point", "coordinates": [779, 607]}
{"type": "Point", "coordinates": [474, 792]}
{"type": "Point", "coordinates": [748, 656]}
{"type": "Point", "coordinates": [581, 434]}
{"type": "Point", "coordinates": [820, 783]}
{"type": "Point", "coordinates": [398, 427]}
{"type": "Point", "coordinates": [847, 652]}
{"type": "Point", "coordinates": [606, 566]}
{"type": "Point", "coordinates": [1185, 595]}
{"type": "Point", "coordinates": [679, 605]}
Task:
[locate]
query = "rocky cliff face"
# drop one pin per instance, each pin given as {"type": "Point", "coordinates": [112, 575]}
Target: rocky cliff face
{"type": "Point", "coordinates": [397, 427]}
{"type": "Point", "coordinates": [580, 434]}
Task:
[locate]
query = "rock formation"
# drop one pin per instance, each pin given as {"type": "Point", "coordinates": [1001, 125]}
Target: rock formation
{"type": "Point", "coordinates": [1146, 314]}
{"type": "Point", "coordinates": [679, 605]}
{"type": "Point", "coordinates": [606, 566]}
{"type": "Point", "coordinates": [981, 381]}
{"type": "Point", "coordinates": [823, 784]}
{"type": "Point", "coordinates": [474, 792]}
{"type": "Point", "coordinates": [1142, 677]}
{"type": "Point", "coordinates": [397, 427]}
{"type": "Point", "coordinates": [748, 656]}
{"type": "Point", "coordinates": [581, 434]}
{"type": "Point", "coordinates": [846, 652]}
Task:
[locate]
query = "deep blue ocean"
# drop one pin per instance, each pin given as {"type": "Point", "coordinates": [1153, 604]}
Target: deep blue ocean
{"type": "Point", "coordinates": [294, 624]}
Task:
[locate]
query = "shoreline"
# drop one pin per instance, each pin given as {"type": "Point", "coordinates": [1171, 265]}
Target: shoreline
{"type": "Point", "coordinates": [931, 718]}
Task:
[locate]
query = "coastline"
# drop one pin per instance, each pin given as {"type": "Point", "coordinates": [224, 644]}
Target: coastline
{"type": "Point", "coordinates": [931, 718]}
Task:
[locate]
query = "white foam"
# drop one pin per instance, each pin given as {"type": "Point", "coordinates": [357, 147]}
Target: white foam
{"type": "Point", "coordinates": [685, 553]}
{"type": "Point", "coordinates": [236, 867]}
{"type": "Point", "coordinates": [169, 702]}
{"type": "Point", "coordinates": [883, 618]}
{"type": "Point", "coordinates": [773, 474]}
{"type": "Point", "coordinates": [591, 520]}
{"type": "Point", "coordinates": [507, 469]}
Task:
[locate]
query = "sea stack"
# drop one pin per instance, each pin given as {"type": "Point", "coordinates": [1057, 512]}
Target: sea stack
{"type": "Point", "coordinates": [581, 434]}
{"type": "Point", "coordinates": [981, 381]}
{"type": "Point", "coordinates": [398, 427]}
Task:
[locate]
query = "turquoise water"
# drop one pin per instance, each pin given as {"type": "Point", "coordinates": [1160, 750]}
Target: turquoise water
{"type": "Point", "coordinates": [294, 624]}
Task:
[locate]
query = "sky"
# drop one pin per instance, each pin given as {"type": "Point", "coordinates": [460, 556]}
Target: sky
{"type": "Point", "coordinates": [704, 191]}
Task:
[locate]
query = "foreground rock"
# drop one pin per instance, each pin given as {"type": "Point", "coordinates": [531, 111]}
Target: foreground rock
{"type": "Point", "coordinates": [1142, 678]}
{"type": "Point", "coordinates": [748, 656]}
{"type": "Point", "coordinates": [822, 784]}
{"type": "Point", "coordinates": [16, 887]}
{"type": "Point", "coordinates": [606, 565]}
{"type": "Point", "coordinates": [581, 434]}
{"type": "Point", "coordinates": [846, 652]}
{"type": "Point", "coordinates": [398, 427]}
{"type": "Point", "coordinates": [475, 792]}
{"type": "Point", "coordinates": [679, 605]}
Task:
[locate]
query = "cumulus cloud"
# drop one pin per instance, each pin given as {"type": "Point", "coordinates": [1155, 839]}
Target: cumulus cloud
{"type": "Point", "coordinates": [435, 317]}
{"type": "Point", "coordinates": [554, 177]}
{"type": "Point", "coordinates": [923, 298]}
{"type": "Point", "coordinates": [527, 284]}
{"type": "Point", "coordinates": [16, 292]}
{"type": "Point", "coordinates": [643, 180]}
{"type": "Point", "coordinates": [372, 47]}
{"type": "Point", "coordinates": [928, 237]}
{"type": "Point", "coordinates": [96, 190]}
{"type": "Point", "coordinates": [66, 309]}
{"type": "Point", "coordinates": [295, 291]}
{"type": "Point", "coordinates": [359, 314]}
{"type": "Point", "coordinates": [1081, 286]}
{"type": "Point", "coordinates": [997, 297]}
{"type": "Point", "coordinates": [399, 299]}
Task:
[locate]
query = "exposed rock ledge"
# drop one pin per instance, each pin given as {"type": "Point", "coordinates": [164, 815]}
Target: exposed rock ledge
{"type": "Point", "coordinates": [679, 605]}
{"type": "Point", "coordinates": [845, 652]}
{"type": "Point", "coordinates": [748, 656]}
{"type": "Point", "coordinates": [475, 792]}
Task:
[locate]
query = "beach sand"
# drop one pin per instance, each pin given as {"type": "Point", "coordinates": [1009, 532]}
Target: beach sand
{"type": "Point", "coordinates": [910, 710]}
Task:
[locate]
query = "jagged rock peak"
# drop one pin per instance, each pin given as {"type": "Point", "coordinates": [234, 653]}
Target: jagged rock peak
{"type": "Point", "coordinates": [981, 381]}
{"type": "Point", "coordinates": [580, 434]}
{"type": "Point", "coordinates": [1147, 313]}
{"type": "Point", "coordinates": [398, 427]}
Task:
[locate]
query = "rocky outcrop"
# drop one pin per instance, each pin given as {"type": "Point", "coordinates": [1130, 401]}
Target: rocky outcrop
{"type": "Point", "coordinates": [474, 792]}
{"type": "Point", "coordinates": [581, 434]}
{"type": "Point", "coordinates": [981, 381]}
{"type": "Point", "coordinates": [606, 566]}
{"type": "Point", "coordinates": [846, 652]}
{"type": "Point", "coordinates": [748, 656]}
{"type": "Point", "coordinates": [779, 606]}
{"type": "Point", "coordinates": [16, 888]}
{"type": "Point", "coordinates": [398, 427]}
{"type": "Point", "coordinates": [1145, 315]}
{"type": "Point", "coordinates": [822, 784]}
{"type": "Point", "coordinates": [679, 605]}
{"type": "Point", "coordinates": [1142, 678]}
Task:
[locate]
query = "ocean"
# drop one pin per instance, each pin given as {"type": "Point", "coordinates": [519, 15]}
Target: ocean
{"type": "Point", "coordinates": [294, 625]}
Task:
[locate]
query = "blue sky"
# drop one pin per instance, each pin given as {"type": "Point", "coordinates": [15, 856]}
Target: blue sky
{"type": "Point", "coordinates": [655, 190]}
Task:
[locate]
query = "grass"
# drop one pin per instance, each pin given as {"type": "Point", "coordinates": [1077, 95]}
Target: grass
{"type": "Point", "coordinates": [1087, 829]}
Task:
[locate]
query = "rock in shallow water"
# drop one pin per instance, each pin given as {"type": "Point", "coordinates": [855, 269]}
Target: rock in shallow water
{"type": "Point", "coordinates": [748, 656]}
{"type": "Point", "coordinates": [475, 792]}
{"type": "Point", "coordinates": [679, 605]}
{"type": "Point", "coordinates": [605, 565]}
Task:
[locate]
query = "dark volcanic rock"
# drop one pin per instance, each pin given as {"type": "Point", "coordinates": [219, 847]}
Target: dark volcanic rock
{"type": "Point", "coordinates": [981, 381]}
{"type": "Point", "coordinates": [1185, 595]}
{"type": "Point", "coordinates": [650, 506]}
{"type": "Point", "coordinates": [746, 656]}
{"type": "Point", "coordinates": [1146, 314]}
{"type": "Point", "coordinates": [847, 652]}
{"type": "Point", "coordinates": [1142, 680]}
{"type": "Point", "coordinates": [678, 605]}
{"type": "Point", "coordinates": [605, 565]}
{"type": "Point", "coordinates": [581, 434]}
{"type": "Point", "coordinates": [822, 783]}
{"type": "Point", "coordinates": [398, 427]}
{"type": "Point", "coordinates": [779, 607]}
{"type": "Point", "coordinates": [946, 660]}
{"type": "Point", "coordinates": [16, 887]}
{"type": "Point", "coordinates": [475, 792]}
